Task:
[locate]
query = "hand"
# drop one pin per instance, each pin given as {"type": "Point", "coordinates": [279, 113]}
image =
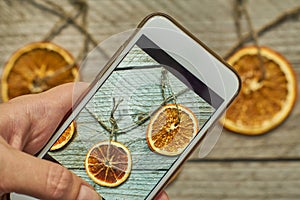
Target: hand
{"type": "Point", "coordinates": [26, 124]}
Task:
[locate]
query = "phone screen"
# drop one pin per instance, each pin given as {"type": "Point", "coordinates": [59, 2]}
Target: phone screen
{"type": "Point", "coordinates": [138, 123]}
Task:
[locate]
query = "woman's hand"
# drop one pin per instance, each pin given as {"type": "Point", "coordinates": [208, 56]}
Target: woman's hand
{"type": "Point", "coordinates": [26, 124]}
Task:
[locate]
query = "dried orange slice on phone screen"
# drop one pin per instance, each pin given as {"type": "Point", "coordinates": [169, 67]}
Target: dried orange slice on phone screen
{"type": "Point", "coordinates": [268, 94]}
{"type": "Point", "coordinates": [108, 163]}
{"type": "Point", "coordinates": [171, 129]}
{"type": "Point", "coordinates": [65, 137]}
{"type": "Point", "coordinates": [35, 68]}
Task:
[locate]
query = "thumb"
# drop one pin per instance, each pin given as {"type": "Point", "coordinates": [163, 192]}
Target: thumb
{"type": "Point", "coordinates": [42, 179]}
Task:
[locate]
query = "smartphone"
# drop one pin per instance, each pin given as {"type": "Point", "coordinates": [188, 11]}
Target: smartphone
{"type": "Point", "coordinates": [146, 111]}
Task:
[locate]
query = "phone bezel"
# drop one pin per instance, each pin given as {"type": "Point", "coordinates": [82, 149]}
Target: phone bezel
{"type": "Point", "coordinates": [151, 26]}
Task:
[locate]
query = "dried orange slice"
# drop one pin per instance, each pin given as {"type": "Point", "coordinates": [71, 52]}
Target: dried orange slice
{"type": "Point", "coordinates": [268, 91]}
{"type": "Point", "coordinates": [108, 163]}
{"type": "Point", "coordinates": [171, 129]}
{"type": "Point", "coordinates": [65, 137]}
{"type": "Point", "coordinates": [35, 68]}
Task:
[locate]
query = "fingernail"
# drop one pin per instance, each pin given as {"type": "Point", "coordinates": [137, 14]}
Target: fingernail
{"type": "Point", "coordinates": [87, 193]}
{"type": "Point", "coordinates": [162, 196]}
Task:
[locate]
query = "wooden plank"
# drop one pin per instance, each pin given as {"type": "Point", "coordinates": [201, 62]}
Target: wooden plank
{"type": "Point", "coordinates": [237, 180]}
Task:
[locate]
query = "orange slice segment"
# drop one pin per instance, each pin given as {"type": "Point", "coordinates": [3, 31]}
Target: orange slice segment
{"type": "Point", "coordinates": [35, 68]}
{"type": "Point", "coordinates": [108, 163]}
{"type": "Point", "coordinates": [171, 129]}
{"type": "Point", "coordinates": [65, 137]}
{"type": "Point", "coordinates": [265, 100]}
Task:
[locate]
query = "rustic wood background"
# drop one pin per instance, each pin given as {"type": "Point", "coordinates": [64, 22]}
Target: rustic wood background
{"type": "Point", "coordinates": [238, 167]}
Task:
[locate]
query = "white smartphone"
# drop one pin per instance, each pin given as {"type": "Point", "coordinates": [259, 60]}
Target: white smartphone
{"type": "Point", "coordinates": [147, 110]}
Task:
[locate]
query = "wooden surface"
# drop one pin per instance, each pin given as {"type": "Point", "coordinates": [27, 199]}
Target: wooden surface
{"type": "Point", "coordinates": [238, 167]}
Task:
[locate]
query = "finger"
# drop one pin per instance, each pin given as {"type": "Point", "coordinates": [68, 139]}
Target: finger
{"type": "Point", "coordinates": [162, 196]}
{"type": "Point", "coordinates": [51, 106]}
{"type": "Point", "coordinates": [42, 179]}
{"type": "Point", "coordinates": [47, 114]}
{"type": "Point", "coordinates": [33, 118]}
